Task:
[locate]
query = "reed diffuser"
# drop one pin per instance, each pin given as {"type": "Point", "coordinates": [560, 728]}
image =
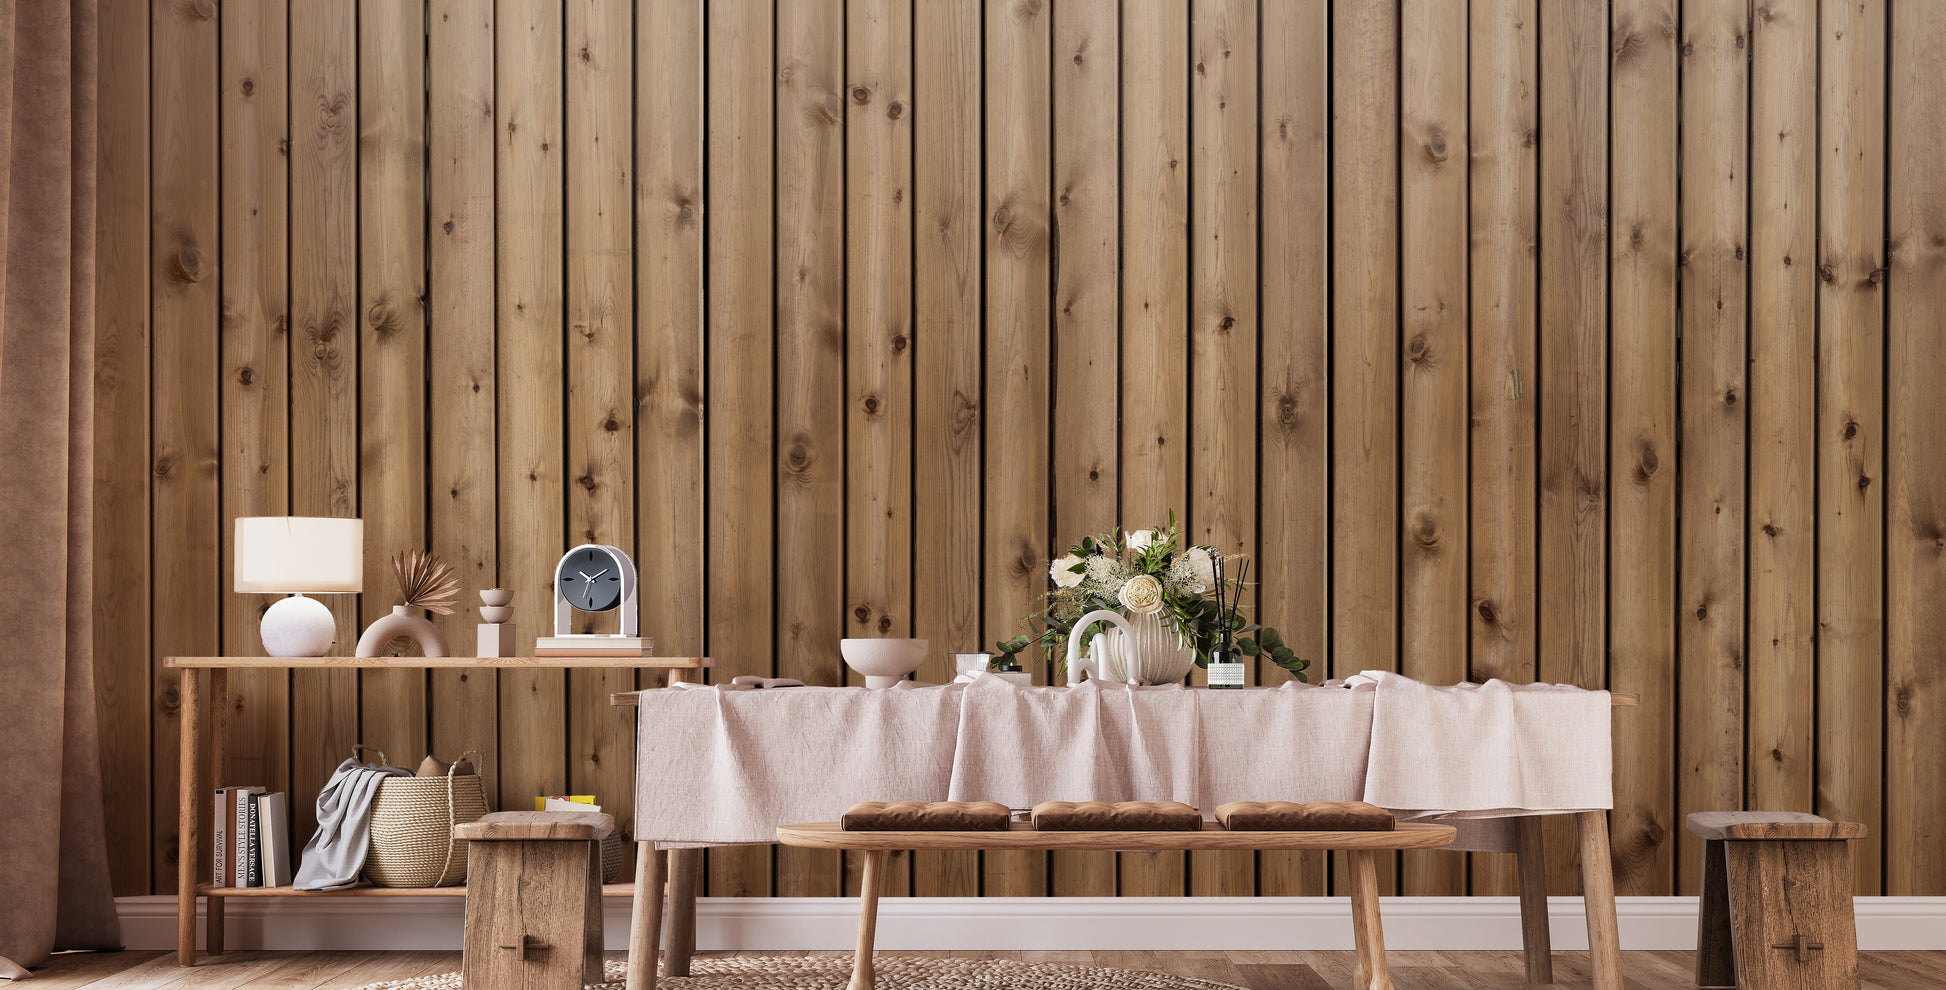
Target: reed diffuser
{"type": "Point", "coordinates": [1225, 667]}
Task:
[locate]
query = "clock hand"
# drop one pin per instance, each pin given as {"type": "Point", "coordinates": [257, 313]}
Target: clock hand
{"type": "Point", "coordinates": [598, 573]}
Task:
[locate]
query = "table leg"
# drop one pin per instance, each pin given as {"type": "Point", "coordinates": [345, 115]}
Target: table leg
{"type": "Point", "coordinates": [189, 800]}
{"type": "Point", "coordinates": [645, 917]}
{"type": "Point", "coordinates": [1716, 961]}
{"type": "Point", "coordinates": [1530, 857]}
{"type": "Point", "coordinates": [1598, 900]}
{"type": "Point", "coordinates": [861, 966]}
{"type": "Point", "coordinates": [683, 864]}
{"type": "Point", "coordinates": [218, 704]}
{"type": "Point", "coordinates": [1366, 931]}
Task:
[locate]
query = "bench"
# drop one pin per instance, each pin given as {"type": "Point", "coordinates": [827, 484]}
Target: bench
{"type": "Point", "coordinates": [1358, 847]}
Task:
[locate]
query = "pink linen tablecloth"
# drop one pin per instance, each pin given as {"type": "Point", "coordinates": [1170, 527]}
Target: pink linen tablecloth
{"type": "Point", "coordinates": [717, 767]}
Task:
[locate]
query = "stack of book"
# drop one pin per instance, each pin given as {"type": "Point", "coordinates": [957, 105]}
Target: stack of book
{"type": "Point", "coordinates": [594, 646]}
{"type": "Point", "coordinates": [252, 839]}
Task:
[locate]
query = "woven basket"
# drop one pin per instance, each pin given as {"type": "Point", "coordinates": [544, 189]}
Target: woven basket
{"type": "Point", "coordinates": [412, 827]}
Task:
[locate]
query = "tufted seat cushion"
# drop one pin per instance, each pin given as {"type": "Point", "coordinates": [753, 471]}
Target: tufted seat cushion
{"type": "Point", "coordinates": [926, 816]}
{"type": "Point", "coordinates": [1121, 816]}
{"type": "Point", "coordinates": [1305, 816]}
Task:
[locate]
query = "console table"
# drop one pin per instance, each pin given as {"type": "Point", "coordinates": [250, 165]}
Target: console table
{"type": "Point", "coordinates": [205, 695]}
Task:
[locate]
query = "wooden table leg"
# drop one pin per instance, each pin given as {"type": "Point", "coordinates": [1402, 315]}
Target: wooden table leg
{"type": "Point", "coordinates": [218, 766]}
{"type": "Point", "coordinates": [1530, 857]}
{"type": "Point", "coordinates": [861, 965]}
{"type": "Point", "coordinates": [645, 917]}
{"type": "Point", "coordinates": [683, 864]}
{"type": "Point", "coordinates": [1367, 933]}
{"type": "Point", "coordinates": [1598, 900]}
{"type": "Point", "coordinates": [189, 803]}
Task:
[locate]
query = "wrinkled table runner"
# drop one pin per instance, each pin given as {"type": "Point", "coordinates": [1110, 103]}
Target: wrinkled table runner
{"type": "Point", "coordinates": [716, 767]}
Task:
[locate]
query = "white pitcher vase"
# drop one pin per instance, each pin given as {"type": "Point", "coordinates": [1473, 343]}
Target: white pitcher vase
{"type": "Point", "coordinates": [1140, 650]}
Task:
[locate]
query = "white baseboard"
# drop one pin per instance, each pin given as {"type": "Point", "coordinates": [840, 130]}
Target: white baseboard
{"type": "Point", "coordinates": [976, 923]}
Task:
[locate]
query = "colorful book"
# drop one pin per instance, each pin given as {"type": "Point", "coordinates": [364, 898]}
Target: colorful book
{"type": "Point", "coordinates": [572, 802]}
{"type": "Point", "coordinates": [244, 798]}
{"type": "Point", "coordinates": [273, 833]}
{"type": "Point", "coordinates": [253, 858]}
{"type": "Point", "coordinates": [594, 646]}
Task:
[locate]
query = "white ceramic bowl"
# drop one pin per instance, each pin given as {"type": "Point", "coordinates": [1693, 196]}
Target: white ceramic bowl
{"type": "Point", "coordinates": [884, 662]}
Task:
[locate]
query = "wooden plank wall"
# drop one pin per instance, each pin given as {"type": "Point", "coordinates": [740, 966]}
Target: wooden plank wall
{"type": "Point", "coordinates": [1588, 342]}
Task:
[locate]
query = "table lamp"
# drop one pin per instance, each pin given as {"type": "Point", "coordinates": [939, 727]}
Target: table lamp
{"type": "Point", "coordinates": [299, 555]}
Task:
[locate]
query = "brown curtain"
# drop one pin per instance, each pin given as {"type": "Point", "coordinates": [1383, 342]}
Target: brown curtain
{"type": "Point", "coordinates": [53, 856]}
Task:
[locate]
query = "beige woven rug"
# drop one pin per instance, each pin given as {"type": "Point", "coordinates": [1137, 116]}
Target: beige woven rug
{"type": "Point", "coordinates": [832, 972]}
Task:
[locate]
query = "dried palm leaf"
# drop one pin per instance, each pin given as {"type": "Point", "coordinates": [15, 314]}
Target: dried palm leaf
{"type": "Point", "coordinates": [426, 581]}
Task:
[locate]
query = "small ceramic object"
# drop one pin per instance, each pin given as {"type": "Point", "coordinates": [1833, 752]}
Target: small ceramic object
{"type": "Point", "coordinates": [965, 664]}
{"type": "Point", "coordinates": [496, 613]}
{"type": "Point", "coordinates": [884, 662]}
{"type": "Point", "coordinates": [402, 622]}
{"type": "Point", "coordinates": [496, 597]}
{"type": "Point", "coordinates": [494, 639]}
{"type": "Point", "coordinates": [1141, 650]}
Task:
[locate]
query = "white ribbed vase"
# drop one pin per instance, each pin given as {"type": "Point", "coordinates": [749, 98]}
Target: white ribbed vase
{"type": "Point", "coordinates": [1147, 652]}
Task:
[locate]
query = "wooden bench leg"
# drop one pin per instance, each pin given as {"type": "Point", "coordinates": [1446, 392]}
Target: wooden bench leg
{"type": "Point", "coordinates": [190, 801]}
{"type": "Point", "coordinates": [861, 966]}
{"type": "Point", "coordinates": [1530, 857]}
{"type": "Point", "coordinates": [645, 916]}
{"type": "Point", "coordinates": [683, 864]}
{"type": "Point", "coordinates": [1366, 931]}
{"type": "Point", "coordinates": [1716, 964]}
{"type": "Point", "coordinates": [1598, 900]}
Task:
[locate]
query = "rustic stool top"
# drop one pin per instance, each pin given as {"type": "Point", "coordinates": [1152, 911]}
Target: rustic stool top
{"type": "Point", "coordinates": [1774, 825]}
{"type": "Point", "coordinates": [535, 825]}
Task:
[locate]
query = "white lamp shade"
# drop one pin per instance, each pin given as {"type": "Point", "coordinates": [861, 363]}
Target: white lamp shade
{"type": "Point", "coordinates": [305, 554]}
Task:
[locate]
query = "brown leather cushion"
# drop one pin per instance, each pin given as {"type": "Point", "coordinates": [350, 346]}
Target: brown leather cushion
{"type": "Point", "coordinates": [1122, 816]}
{"type": "Point", "coordinates": [923, 816]}
{"type": "Point", "coordinates": [1305, 816]}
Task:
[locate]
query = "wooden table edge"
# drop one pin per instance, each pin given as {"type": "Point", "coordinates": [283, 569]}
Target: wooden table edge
{"type": "Point", "coordinates": [829, 835]}
{"type": "Point", "coordinates": [628, 699]}
{"type": "Point", "coordinates": [408, 663]}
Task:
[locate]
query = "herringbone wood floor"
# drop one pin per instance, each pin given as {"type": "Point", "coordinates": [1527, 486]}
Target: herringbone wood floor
{"type": "Point", "coordinates": [1259, 970]}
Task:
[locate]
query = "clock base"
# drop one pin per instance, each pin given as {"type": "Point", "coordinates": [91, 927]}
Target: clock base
{"type": "Point", "coordinates": [298, 627]}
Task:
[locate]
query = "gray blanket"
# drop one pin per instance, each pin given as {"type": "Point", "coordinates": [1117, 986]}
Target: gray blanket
{"type": "Point", "coordinates": [336, 852]}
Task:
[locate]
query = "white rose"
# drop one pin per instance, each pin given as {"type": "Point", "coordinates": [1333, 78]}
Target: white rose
{"type": "Point", "coordinates": [1062, 571]}
{"type": "Point", "coordinates": [1142, 539]}
{"type": "Point", "coordinates": [1195, 571]}
{"type": "Point", "coordinates": [1142, 595]}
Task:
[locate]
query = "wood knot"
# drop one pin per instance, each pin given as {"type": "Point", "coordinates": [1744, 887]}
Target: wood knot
{"type": "Point", "coordinates": [380, 319]}
{"type": "Point", "coordinates": [861, 95]}
{"type": "Point", "coordinates": [1417, 349]}
{"type": "Point", "coordinates": [871, 405]}
{"type": "Point", "coordinates": [686, 213]}
{"type": "Point", "coordinates": [1426, 533]}
{"type": "Point", "coordinates": [248, 86]}
{"type": "Point", "coordinates": [1287, 410]}
{"type": "Point", "coordinates": [1646, 467]}
{"type": "Point", "coordinates": [1435, 148]}
{"type": "Point", "coordinates": [1487, 612]}
{"type": "Point", "coordinates": [899, 343]}
{"type": "Point", "coordinates": [862, 613]}
{"type": "Point", "coordinates": [1851, 429]}
{"type": "Point", "coordinates": [447, 226]}
{"type": "Point", "coordinates": [246, 377]}
{"type": "Point", "coordinates": [585, 54]}
{"type": "Point", "coordinates": [1702, 612]}
{"type": "Point", "coordinates": [163, 466]}
{"type": "Point", "coordinates": [186, 264]}
{"type": "Point", "coordinates": [587, 482]}
{"type": "Point", "coordinates": [1078, 59]}
{"type": "Point", "coordinates": [1825, 274]}
{"type": "Point", "coordinates": [612, 423]}
{"type": "Point", "coordinates": [798, 459]}
{"type": "Point", "coordinates": [1730, 397]}
{"type": "Point", "coordinates": [895, 110]}
{"type": "Point", "coordinates": [1864, 481]}
{"type": "Point", "coordinates": [1002, 217]}
{"type": "Point", "coordinates": [884, 623]}
{"type": "Point", "coordinates": [1094, 474]}
{"type": "Point", "coordinates": [1227, 323]}
{"type": "Point", "coordinates": [1877, 276]}
{"type": "Point", "coordinates": [1770, 529]}
{"type": "Point", "coordinates": [204, 9]}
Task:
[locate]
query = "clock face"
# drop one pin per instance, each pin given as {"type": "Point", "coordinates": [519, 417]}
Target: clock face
{"type": "Point", "coordinates": [591, 580]}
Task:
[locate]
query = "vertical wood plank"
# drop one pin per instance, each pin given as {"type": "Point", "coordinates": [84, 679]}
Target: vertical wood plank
{"type": "Point", "coordinates": [1915, 752]}
{"type": "Point", "coordinates": [1709, 616]}
{"type": "Point", "coordinates": [528, 56]}
{"type": "Point", "coordinates": [669, 47]}
{"type": "Point", "coordinates": [813, 469]}
{"type": "Point", "coordinates": [600, 366]}
{"type": "Point", "coordinates": [1851, 424]}
{"type": "Point", "coordinates": [1783, 375]}
{"type": "Point", "coordinates": [1294, 419]}
{"type": "Point", "coordinates": [1573, 400]}
{"type": "Point", "coordinates": [1086, 379]}
{"type": "Point", "coordinates": [1018, 254]}
{"type": "Point", "coordinates": [1154, 464]}
{"type": "Point", "coordinates": [946, 574]}
{"type": "Point", "coordinates": [392, 345]}
{"type": "Point", "coordinates": [1365, 351]}
{"type": "Point", "coordinates": [1503, 178]}
{"type": "Point", "coordinates": [184, 487]}
{"type": "Point", "coordinates": [1642, 448]}
{"type": "Point", "coordinates": [324, 360]}
{"type": "Point", "coordinates": [1223, 326]}
{"type": "Point", "coordinates": [255, 376]}
{"type": "Point", "coordinates": [878, 348]}
{"type": "Point", "coordinates": [741, 374]}
{"type": "Point", "coordinates": [462, 432]}
{"type": "Point", "coordinates": [1433, 371]}
{"type": "Point", "coordinates": [123, 706]}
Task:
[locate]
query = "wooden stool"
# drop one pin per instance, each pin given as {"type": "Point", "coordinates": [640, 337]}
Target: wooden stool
{"type": "Point", "coordinates": [1776, 911]}
{"type": "Point", "coordinates": [533, 901]}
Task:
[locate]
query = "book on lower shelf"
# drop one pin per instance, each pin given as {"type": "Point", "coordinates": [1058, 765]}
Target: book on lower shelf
{"type": "Point", "coordinates": [250, 844]}
{"type": "Point", "coordinates": [594, 646]}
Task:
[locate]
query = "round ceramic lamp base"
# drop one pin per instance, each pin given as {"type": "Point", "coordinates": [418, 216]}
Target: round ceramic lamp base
{"type": "Point", "coordinates": [298, 627]}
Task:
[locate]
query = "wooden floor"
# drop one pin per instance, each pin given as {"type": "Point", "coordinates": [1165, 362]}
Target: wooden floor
{"type": "Point", "coordinates": [1256, 970]}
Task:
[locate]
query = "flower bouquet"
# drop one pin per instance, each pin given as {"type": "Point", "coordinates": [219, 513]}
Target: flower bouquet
{"type": "Point", "coordinates": [1150, 573]}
